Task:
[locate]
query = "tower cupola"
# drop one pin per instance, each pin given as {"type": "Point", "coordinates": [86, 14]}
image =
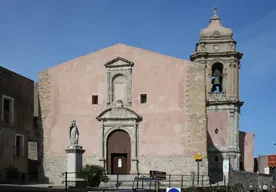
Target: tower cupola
{"type": "Point", "coordinates": [215, 29]}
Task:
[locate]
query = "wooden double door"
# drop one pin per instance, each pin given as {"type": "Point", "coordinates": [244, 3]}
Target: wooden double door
{"type": "Point", "coordinates": [118, 152]}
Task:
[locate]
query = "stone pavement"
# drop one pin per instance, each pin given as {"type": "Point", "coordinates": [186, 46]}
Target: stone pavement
{"type": "Point", "coordinates": [34, 187]}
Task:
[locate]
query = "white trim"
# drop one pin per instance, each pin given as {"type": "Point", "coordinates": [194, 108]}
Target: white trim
{"type": "Point", "coordinates": [12, 108]}
{"type": "Point", "coordinates": [23, 145]}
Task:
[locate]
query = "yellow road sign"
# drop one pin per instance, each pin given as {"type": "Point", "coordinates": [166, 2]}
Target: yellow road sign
{"type": "Point", "coordinates": [198, 157]}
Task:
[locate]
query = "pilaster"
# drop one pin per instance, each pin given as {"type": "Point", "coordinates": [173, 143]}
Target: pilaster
{"type": "Point", "coordinates": [231, 129]}
{"type": "Point", "coordinates": [109, 88]}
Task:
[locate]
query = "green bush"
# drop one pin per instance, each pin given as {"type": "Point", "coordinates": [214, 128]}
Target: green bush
{"type": "Point", "coordinates": [94, 175]}
{"type": "Point", "coordinates": [12, 173]}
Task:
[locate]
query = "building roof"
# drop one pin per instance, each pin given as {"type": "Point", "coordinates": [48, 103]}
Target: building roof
{"type": "Point", "coordinates": [215, 29]}
{"type": "Point", "coordinates": [120, 47]}
{"type": "Point", "coordinates": [12, 72]}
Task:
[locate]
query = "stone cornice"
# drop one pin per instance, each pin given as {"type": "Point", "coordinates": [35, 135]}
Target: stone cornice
{"type": "Point", "coordinates": [119, 113]}
{"type": "Point", "coordinates": [228, 102]}
{"type": "Point", "coordinates": [124, 63]}
{"type": "Point", "coordinates": [75, 149]}
{"type": "Point", "coordinates": [236, 54]}
{"type": "Point", "coordinates": [216, 41]}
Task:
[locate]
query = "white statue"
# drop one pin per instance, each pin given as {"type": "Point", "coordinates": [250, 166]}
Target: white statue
{"type": "Point", "coordinates": [74, 134]}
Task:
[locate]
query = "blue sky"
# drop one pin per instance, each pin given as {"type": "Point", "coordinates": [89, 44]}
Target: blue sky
{"type": "Point", "coordinates": [36, 34]}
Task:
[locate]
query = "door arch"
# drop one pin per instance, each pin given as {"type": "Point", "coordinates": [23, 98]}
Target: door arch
{"type": "Point", "coordinates": [118, 152]}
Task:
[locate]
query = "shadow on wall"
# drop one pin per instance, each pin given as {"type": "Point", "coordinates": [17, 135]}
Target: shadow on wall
{"type": "Point", "coordinates": [241, 145]}
{"type": "Point", "coordinates": [40, 133]}
{"type": "Point", "coordinates": [256, 165]}
{"type": "Point", "coordinates": [215, 162]}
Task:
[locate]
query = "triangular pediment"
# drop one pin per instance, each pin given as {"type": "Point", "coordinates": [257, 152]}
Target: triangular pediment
{"type": "Point", "coordinates": [119, 62]}
{"type": "Point", "coordinates": [118, 113]}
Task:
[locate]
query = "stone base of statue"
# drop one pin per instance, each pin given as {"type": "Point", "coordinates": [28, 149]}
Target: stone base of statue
{"type": "Point", "coordinates": [74, 165]}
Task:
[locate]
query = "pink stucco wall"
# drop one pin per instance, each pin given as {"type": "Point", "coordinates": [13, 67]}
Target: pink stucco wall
{"type": "Point", "coordinates": [247, 150]}
{"type": "Point", "coordinates": [219, 120]}
{"type": "Point", "coordinates": [164, 124]}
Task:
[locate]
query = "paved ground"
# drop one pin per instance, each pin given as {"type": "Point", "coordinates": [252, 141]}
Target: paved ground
{"type": "Point", "coordinates": [47, 187]}
{"type": "Point", "coordinates": [36, 187]}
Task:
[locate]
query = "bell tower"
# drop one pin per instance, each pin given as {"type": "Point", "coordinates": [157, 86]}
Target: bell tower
{"type": "Point", "coordinates": [216, 50]}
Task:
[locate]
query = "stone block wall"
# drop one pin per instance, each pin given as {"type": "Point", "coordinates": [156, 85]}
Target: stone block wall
{"type": "Point", "coordinates": [197, 117]}
{"type": "Point", "coordinates": [251, 180]}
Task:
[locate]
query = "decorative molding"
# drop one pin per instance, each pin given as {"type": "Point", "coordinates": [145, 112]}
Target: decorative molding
{"type": "Point", "coordinates": [218, 60]}
{"type": "Point", "coordinates": [202, 61]}
{"type": "Point", "coordinates": [216, 48]}
{"type": "Point", "coordinates": [232, 46]}
{"type": "Point", "coordinates": [118, 113]}
{"type": "Point", "coordinates": [232, 113]}
{"type": "Point", "coordinates": [216, 34]}
{"type": "Point", "coordinates": [201, 47]}
{"type": "Point", "coordinates": [119, 67]}
{"type": "Point", "coordinates": [205, 55]}
{"type": "Point", "coordinates": [119, 62]}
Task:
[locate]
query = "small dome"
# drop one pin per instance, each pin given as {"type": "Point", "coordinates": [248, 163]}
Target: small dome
{"type": "Point", "coordinates": [215, 29]}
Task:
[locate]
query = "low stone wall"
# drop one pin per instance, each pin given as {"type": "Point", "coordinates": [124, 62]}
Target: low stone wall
{"type": "Point", "coordinates": [250, 181]}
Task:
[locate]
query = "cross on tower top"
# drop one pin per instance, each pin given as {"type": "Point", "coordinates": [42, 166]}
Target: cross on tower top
{"type": "Point", "coordinates": [215, 11]}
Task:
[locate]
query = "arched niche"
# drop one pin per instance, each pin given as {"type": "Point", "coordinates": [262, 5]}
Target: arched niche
{"type": "Point", "coordinates": [119, 88]}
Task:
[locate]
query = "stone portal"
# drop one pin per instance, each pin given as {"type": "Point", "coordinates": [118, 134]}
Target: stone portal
{"type": "Point", "coordinates": [119, 139]}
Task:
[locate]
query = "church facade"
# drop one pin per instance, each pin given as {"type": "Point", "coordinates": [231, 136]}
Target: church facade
{"type": "Point", "coordinates": [147, 110]}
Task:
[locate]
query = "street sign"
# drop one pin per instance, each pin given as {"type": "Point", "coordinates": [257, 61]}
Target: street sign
{"type": "Point", "coordinates": [198, 157]}
{"type": "Point", "coordinates": [272, 160]}
{"type": "Point", "coordinates": [173, 190]}
{"type": "Point", "coordinates": [158, 175]}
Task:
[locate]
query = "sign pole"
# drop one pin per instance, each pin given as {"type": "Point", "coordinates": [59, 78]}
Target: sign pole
{"type": "Point", "coordinates": [197, 172]}
{"type": "Point", "coordinates": [198, 158]}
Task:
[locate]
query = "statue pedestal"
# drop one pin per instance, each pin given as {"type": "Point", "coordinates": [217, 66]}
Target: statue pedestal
{"type": "Point", "coordinates": [74, 165]}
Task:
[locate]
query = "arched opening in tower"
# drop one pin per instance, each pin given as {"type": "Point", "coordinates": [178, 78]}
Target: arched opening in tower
{"type": "Point", "coordinates": [217, 78]}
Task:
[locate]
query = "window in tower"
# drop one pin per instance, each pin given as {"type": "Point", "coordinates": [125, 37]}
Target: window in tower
{"type": "Point", "coordinates": [217, 78]}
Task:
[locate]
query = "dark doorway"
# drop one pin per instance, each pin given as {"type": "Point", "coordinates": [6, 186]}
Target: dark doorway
{"type": "Point", "coordinates": [119, 163]}
{"type": "Point", "coordinates": [118, 152]}
{"type": "Point", "coordinates": [33, 166]}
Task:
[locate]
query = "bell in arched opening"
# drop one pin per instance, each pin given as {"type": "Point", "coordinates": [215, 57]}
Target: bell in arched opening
{"type": "Point", "coordinates": [217, 78]}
